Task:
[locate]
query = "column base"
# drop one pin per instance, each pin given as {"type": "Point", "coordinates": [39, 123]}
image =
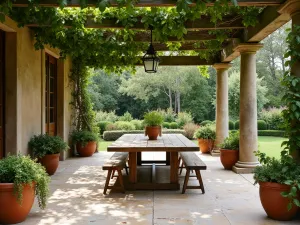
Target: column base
{"type": "Point", "coordinates": [215, 152]}
{"type": "Point", "coordinates": [244, 167]}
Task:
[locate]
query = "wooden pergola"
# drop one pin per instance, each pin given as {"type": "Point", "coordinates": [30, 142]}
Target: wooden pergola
{"type": "Point", "coordinates": [242, 41]}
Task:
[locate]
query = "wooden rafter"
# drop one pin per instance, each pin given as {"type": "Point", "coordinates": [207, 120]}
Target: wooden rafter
{"type": "Point", "coordinates": [145, 3]}
{"type": "Point", "coordinates": [185, 46]}
{"type": "Point", "coordinates": [183, 60]}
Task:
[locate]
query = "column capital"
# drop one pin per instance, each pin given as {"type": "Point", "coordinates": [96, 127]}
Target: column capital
{"type": "Point", "coordinates": [218, 66]}
{"type": "Point", "coordinates": [290, 7]}
{"type": "Point", "coordinates": [248, 47]}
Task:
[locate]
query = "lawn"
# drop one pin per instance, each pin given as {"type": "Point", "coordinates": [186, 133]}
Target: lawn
{"type": "Point", "coordinates": [270, 145]}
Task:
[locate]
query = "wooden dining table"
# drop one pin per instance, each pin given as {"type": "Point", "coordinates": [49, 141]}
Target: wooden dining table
{"type": "Point", "coordinates": [135, 144]}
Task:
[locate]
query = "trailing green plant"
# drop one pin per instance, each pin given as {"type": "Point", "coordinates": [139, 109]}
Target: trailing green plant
{"type": "Point", "coordinates": [232, 142]}
{"type": "Point", "coordinates": [184, 118]}
{"type": "Point", "coordinates": [43, 144]}
{"type": "Point", "coordinates": [153, 118]}
{"type": "Point", "coordinates": [83, 137]}
{"type": "Point", "coordinates": [283, 171]}
{"type": "Point", "coordinates": [206, 132]}
{"type": "Point", "coordinates": [21, 170]}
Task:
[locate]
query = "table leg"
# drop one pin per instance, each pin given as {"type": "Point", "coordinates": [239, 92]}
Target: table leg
{"type": "Point", "coordinates": [132, 167]}
{"type": "Point", "coordinates": [174, 167]}
{"type": "Point", "coordinates": [139, 158]}
{"type": "Point", "coordinates": [167, 158]}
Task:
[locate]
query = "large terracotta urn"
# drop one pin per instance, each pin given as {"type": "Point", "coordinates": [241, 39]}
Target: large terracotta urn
{"type": "Point", "coordinates": [205, 145]}
{"type": "Point", "coordinates": [229, 158]}
{"type": "Point", "coordinates": [50, 162]}
{"type": "Point", "coordinates": [153, 132]}
{"type": "Point", "coordinates": [86, 150]}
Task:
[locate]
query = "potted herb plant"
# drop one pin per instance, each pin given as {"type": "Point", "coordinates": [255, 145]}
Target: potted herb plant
{"type": "Point", "coordinates": [86, 142]}
{"type": "Point", "coordinates": [153, 121]}
{"type": "Point", "coordinates": [206, 136]}
{"type": "Point", "coordinates": [229, 150]}
{"type": "Point", "coordinates": [47, 149]}
{"type": "Point", "coordinates": [21, 179]}
{"type": "Point", "coordinates": [279, 185]}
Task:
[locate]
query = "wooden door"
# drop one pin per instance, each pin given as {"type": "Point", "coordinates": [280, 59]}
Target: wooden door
{"type": "Point", "coordinates": [2, 105]}
{"type": "Point", "coordinates": [51, 95]}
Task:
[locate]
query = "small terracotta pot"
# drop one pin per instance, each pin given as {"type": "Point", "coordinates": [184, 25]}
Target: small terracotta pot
{"type": "Point", "coordinates": [153, 132]}
{"type": "Point", "coordinates": [50, 162]}
{"type": "Point", "coordinates": [229, 158]}
{"type": "Point", "coordinates": [205, 145]}
{"type": "Point", "coordinates": [273, 203]}
{"type": "Point", "coordinates": [87, 150]}
{"type": "Point", "coordinates": [11, 211]}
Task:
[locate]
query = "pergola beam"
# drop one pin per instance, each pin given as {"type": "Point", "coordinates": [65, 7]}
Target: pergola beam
{"type": "Point", "coordinates": [183, 61]}
{"type": "Point", "coordinates": [184, 47]}
{"type": "Point", "coordinates": [144, 3]}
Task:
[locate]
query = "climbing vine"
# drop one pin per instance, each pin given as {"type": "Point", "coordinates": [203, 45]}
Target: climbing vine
{"type": "Point", "coordinates": [292, 95]}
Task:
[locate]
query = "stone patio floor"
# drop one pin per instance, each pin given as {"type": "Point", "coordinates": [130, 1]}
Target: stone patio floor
{"type": "Point", "coordinates": [76, 198]}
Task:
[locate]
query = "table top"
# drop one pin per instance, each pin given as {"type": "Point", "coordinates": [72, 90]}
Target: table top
{"type": "Point", "coordinates": [141, 143]}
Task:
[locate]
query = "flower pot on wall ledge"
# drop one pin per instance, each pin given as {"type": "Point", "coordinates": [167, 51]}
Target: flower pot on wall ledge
{"type": "Point", "coordinates": [205, 145]}
{"type": "Point", "coordinates": [50, 162]}
{"type": "Point", "coordinates": [229, 158]}
{"type": "Point", "coordinates": [274, 203]}
{"type": "Point", "coordinates": [11, 211]}
{"type": "Point", "coordinates": [87, 150]}
{"type": "Point", "coordinates": [153, 132]}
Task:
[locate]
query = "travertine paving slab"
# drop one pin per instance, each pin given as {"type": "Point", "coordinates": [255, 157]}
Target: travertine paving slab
{"type": "Point", "coordinates": [77, 199]}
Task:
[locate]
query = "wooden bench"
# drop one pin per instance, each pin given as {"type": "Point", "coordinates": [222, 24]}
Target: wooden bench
{"type": "Point", "coordinates": [192, 162]}
{"type": "Point", "coordinates": [117, 162]}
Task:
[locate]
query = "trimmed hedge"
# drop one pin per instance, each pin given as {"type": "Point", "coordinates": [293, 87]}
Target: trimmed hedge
{"type": "Point", "coordinates": [237, 125]}
{"type": "Point", "coordinates": [115, 134]}
{"type": "Point", "coordinates": [231, 125]}
{"type": "Point", "coordinates": [166, 125]}
{"type": "Point", "coordinates": [173, 125]}
{"type": "Point", "coordinates": [262, 125]}
{"type": "Point", "coordinates": [274, 133]}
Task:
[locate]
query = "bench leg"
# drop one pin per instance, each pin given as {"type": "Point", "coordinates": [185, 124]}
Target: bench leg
{"type": "Point", "coordinates": [107, 181]}
{"type": "Point", "coordinates": [113, 174]}
{"type": "Point", "coordinates": [200, 181]}
{"type": "Point", "coordinates": [126, 169]}
{"type": "Point", "coordinates": [186, 180]}
{"type": "Point", "coordinates": [120, 176]}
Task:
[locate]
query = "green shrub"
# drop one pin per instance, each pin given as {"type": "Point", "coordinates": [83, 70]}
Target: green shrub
{"type": "Point", "coordinates": [237, 125]}
{"type": "Point", "coordinates": [138, 124]}
{"type": "Point", "coordinates": [232, 142]}
{"type": "Point", "coordinates": [168, 115]}
{"type": "Point", "coordinates": [174, 125]}
{"type": "Point", "coordinates": [102, 125]}
{"type": "Point", "coordinates": [124, 125]}
{"type": "Point", "coordinates": [106, 116]}
{"type": "Point", "coordinates": [274, 133]}
{"type": "Point", "coordinates": [21, 170]}
{"type": "Point", "coordinates": [190, 129]}
{"type": "Point", "coordinates": [126, 117]}
{"type": "Point", "coordinates": [231, 125]}
{"type": "Point", "coordinates": [114, 135]}
{"type": "Point", "coordinates": [111, 126]}
{"type": "Point", "coordinates": [261, 125]}
{"type": "Point", "coordinates": [153, 118]}
{"type": "Point", "coordinates": [184, 118]}
{"type": "Point", "coordinates": [166, 125]}
{"type": "Point", "coordinates": [206, 132]}
{"type": "Point", "coordinates": [83, 137]}
{"type": "Point", "coordinates": [205, 122]}
{"type": "Point", "coordinates": [273, 118]}
{"type": "Point", "coordinates": [43, 144]}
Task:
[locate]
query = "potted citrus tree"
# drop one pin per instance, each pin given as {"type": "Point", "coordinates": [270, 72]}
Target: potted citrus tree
{"type": "Point", "coordinates": [279, 185]}
{"type": "Point", "coordinates": [21, 179]}
{"type": "Point", "coordinates": [47, 149]}
{"type": "Point", "coordinates": [86, 142]}
{"type": "Point", "coordinates": [206, 136]}
{"type": "Point", "coordinates": [153, 121]}
{"type": "Point", "coordinates": [229, 150]}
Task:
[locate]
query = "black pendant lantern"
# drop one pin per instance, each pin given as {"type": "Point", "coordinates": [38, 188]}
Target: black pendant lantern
{"type": "Point", "coordinates": [150, 59]}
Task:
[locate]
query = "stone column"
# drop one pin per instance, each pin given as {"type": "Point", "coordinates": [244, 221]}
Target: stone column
{"type": "Point", "coordinates": [222, 117]}
{"type": "Point", "coordinates": [292, 7]}
{"type": "Point", "coordinates": [248, 109]}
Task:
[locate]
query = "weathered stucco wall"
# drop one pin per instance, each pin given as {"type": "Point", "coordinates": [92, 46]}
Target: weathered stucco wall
{"type": "Point", "coordinates": [25, 77]}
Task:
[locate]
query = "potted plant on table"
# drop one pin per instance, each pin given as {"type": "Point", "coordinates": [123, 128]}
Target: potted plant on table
{"type": "Point", "coordinates": [229, 150]}
{"type": "Point", "coordinates": [47, 149]}
{"type": "Point", "coordinates": [153, 121]}
{"type": "Point", "coordinates": [279, 185]}
{"type": "Point", "coordinates": [206, 136]}
{"type": "Point", "coordinates": [21, 179]}
{"type": "Point", "coordinates": [86, 142]}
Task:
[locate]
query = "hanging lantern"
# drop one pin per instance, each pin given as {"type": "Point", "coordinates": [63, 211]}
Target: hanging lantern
{"type": "Point", "coordinates": [150, 59]}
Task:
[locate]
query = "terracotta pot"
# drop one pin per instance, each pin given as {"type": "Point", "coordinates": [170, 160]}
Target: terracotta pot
{"type": "Point", "coordinates": [229, 158]}
{"type": "Point", "coordinates": [153, 132]}
{"type": "Point", "coordinates": [273, 203]}
{"type": "Point", "coordinates": [11, 211]}
{"type": "Point", "coordinates": [205, 145]}
{"type": "Point", "coordinates": [50, 162]}
{"type": "Point", "coordinates": [87, 150]}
